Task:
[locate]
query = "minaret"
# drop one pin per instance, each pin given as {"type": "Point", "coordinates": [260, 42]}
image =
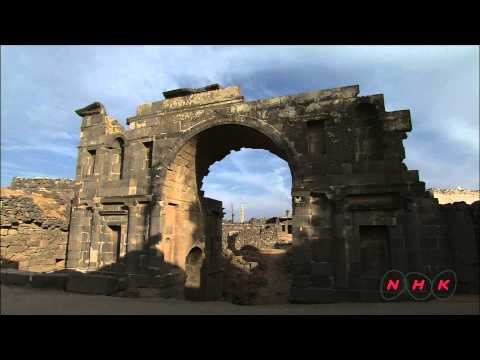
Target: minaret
{"type": "Point", "coordinates": [232, 213]}
{"type": "Point", "coordinates": [242, 214]}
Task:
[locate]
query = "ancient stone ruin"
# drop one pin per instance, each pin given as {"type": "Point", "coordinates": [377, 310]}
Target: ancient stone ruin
{"type": "Point", "coordinates": [34, 223]}
{"type": "Point", "coordinates": [261, 234]}
{"type": "Point", "coordinates": [357, 211]}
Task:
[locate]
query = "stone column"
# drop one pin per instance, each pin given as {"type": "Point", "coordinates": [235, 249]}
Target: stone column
{"type": "Point", "coordinates": [302, 252]}
{"type": "Point", "coordinates": [74, 238]}
{"type": "Point", "coordinates": [314, 265]}
{"type": "Point", "coordinates": [85, 239]}
{"type": "Point", "coordinates": [321, 237]}
{"type": "Point", "coordinates": [155, 233]}
{"type": "Point", "coordinates": [94, 234]}
{"type": "Point", "coordinates": [134, 245]}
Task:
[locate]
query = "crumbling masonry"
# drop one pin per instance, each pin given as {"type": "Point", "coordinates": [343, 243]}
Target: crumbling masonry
{"type": "Point", "coordinates": [357, 210]}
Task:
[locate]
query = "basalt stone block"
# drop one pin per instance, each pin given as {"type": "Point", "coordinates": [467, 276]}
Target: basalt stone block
{"type": "Point", "coordinates": [370, 283]}
{"type": "Point", "coordinates": [397, 242]}
{"type": "Point", "coordinates": [14, 277]}
{"type": "Point", "coordinates": [167, 280]}
{"type": "Point", "coordinates": [322, 268]}
{"type": "Point", "coordinates": [321, 281]}
{"type": "Point", "coordinates": [138, 281]}
{"type": "Point", "coordinates": [302, 281]}
{"type": "Point", "coordinates": [51, 281]}
{"type": "Point", "coordinates": [302, 268]}
{"type": "Point", "coordinates": [92, 284]}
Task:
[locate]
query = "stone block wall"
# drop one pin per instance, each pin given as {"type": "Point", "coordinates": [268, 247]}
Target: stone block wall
{"type": "Point", "coordinates": [462, 221]}
{"type": "Point", "coordinates": [34, 224]}
{"type": "Point", "coordinates": [53, 186]}
{"type": "Point", "coordinates": [236, 236]}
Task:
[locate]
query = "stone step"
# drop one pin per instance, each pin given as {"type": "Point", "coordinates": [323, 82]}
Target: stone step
{"type": "Point", "coordinates": [34, 280]}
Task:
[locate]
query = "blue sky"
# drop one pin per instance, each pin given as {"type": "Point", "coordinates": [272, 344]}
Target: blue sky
{"type": "Point", "coordinates": [41, 86]}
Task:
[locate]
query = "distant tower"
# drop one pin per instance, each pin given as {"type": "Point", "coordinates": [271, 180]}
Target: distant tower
{"type": "Point", "coordinates": [232, 212]}
{"type": "Point", "coordinates": [242, 214]}
{"type": "Point", "coordinates": [287, 212]}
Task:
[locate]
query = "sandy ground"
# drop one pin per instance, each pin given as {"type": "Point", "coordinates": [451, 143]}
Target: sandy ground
{"type": "Point", "coordinates": [19, 300]}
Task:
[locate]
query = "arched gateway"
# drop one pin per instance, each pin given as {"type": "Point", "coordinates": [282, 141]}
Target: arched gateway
{"type": "Point", "coordinates": [357, 210]}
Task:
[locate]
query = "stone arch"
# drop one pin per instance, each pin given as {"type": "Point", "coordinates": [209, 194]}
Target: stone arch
{"type": "Point", "coordinates": [179, 178]}
{"type": "Point", "coordinates": [194, 271]}
{"type": "Point", "coordinates": [112, 140]}
{"type": "Point", "coordinates": [268, 130]}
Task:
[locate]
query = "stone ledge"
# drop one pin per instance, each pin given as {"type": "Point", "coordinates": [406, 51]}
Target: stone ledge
{"type": "Point", "coordinates": [34, 280]}
{"type": "Point", "coordinates": [92, 284]}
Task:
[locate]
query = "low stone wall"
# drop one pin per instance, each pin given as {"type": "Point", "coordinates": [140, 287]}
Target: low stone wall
{"type": "Point", "coordinates": [34, 222]}
{"type": "Point", "coordinates": [236, 236]}
{"type": "Point", "coordinates": [39, 184]}
{"type": "Point", "coordinates": [450, 196]}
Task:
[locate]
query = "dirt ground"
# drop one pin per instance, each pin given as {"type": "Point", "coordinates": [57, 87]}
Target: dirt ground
{"type": "Point", "coordinates": [276, 290]}
{"type": "Point", "coordinates": [23, 301]}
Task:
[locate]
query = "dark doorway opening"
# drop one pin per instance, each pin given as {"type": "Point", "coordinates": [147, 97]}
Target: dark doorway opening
{"type": "Point", "coordinates": [116, 233]}
{"type": "Point", "coordinates": [194, 282]}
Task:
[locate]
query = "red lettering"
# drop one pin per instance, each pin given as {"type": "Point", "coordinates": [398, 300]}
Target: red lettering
{"type": "Point", "coordinates": [393, 284]}
{"type": "Point", "coordinates": [418, 284]}
{"type": "Point", "coordinates": [443, 284]}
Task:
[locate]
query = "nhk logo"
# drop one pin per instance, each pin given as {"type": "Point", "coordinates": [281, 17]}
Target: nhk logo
{"type": "Point", "coordinates": [419, 286]}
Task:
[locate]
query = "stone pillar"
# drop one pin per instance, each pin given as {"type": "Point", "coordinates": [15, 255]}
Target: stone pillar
{"type": "Point", "coordinates": [74, 238]}
{"type": "Point", "coordinates": [79, 238]}
{"type": "Point", "coordinates": [321, 238]}
{"type": "Point", "coordinates": [94, 234]}
{"type": "Point", "coordinates": [314, 265]}
{"type": "Point", "coordinates": [155, 233]}
{"type": "Point", "coordinates": [85, 239]}
{"type": "Point", "coordinates": [134, 245]}
{"type": "Point", "coordinates": [302, 251]}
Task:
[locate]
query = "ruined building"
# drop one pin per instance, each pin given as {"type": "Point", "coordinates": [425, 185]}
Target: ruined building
{"type": "Point", "coordinates": [270, 233]}
{"type": "Point", "coordinates": [34, 222]}
{"type": "Point", "coordinates": [357, 210]}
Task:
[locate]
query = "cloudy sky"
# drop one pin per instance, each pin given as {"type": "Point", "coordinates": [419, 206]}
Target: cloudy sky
{"type": "Point", "coordinates": [42, 85]}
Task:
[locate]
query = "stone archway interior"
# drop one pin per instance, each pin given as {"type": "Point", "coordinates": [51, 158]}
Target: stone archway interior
{"type": "Point", "coordinates": [193, 272]}
{"type": "Point", "coordinates": [185, 206]}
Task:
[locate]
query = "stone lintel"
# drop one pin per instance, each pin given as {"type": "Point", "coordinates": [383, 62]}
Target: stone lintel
{"type": "Point", "coordinates": [190, 101]}
{"type": "Point", "coordinates": [95, 108]}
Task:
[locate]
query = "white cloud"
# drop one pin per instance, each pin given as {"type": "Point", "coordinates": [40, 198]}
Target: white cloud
{"type": "Point", "coordinates": [248, 177]}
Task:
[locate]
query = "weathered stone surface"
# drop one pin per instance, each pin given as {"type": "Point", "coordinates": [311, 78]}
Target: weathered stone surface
{"type": "Point", "coordinates": [18, 278]}
{"type": "Point", "coordinates": [138, 208]}
{"type": "Point", "coordinates": [92, 284]}
{"type": "Point", "coordinates": [261, 234]}
{"type": "Point", "coordinates": [54, 281]}
{"type": "Point", "coordinates": [34, 223]}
